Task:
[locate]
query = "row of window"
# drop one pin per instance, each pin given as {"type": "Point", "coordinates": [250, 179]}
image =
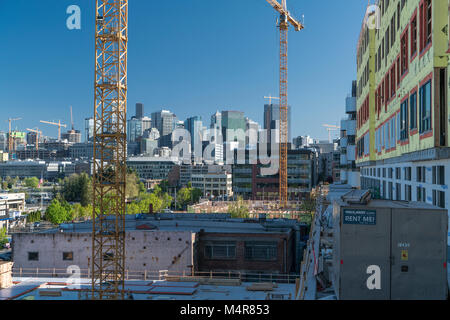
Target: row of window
{"type": "Point", "coordinates": [259, 251]}
{"type": "Point", "coordinates": [387, 192]}
{"type": "Point", "coordinates": [437, 176]}
{"type": "Point", "coordinates": [34, 256]}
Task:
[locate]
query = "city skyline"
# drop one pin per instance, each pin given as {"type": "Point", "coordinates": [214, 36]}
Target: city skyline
{"type": "Point", "coordinates": [186, 79]}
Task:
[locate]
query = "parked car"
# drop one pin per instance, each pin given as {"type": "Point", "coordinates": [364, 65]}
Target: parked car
{"type": "Point", "coordinates": [6, 256]}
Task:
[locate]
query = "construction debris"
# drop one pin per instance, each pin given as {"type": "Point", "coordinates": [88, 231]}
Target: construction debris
{"type": "Point", "coordinates": [261, 287]}
{"type": "Point", "coordinates": [6, 275]}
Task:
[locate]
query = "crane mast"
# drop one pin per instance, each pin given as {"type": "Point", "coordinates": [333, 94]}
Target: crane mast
{"type": "Point", "coordinates": [109, 174]}
{"type": "Point", "coordinates": [283, 25]}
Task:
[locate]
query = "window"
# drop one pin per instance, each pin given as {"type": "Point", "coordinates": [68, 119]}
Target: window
{"type": "Point", "coordinates": [426, 24]}
{"type": "Point", "coordinates": [408, 193]}
{"type": "Point", "coordinates": [407, 173]}
{"type": "Point", "coordinates": [264, 251]}
{"type": "Point", "coordinates": [421, 194]}
{"type": "Point", "coordinates": [220, 250]}
{"type": "Point", "coordinates": [421, 174]}
{"type": "Point", "coordinates": [390, 173]}
{"type": "Point", "coordinates": [413, 36]}
{"type": "Point", "coordinates": [33, 256]}
{"type": "Point", "coordinates": [404, 53]}
{"type": "Point", "coordinates": [439, 198]}
{"type": "Point", "coordinates": [404, 132]}
{"type": "Point", "coordinates": [425, 107]}
{"type": "Point", "coordinates": [391, 191]}
{"type": "Point", "coordinates": [439, 175]}
{"type": "Point", "coordinates": [413, 111]}
{"type": "Point", "coordinates": [398, 192]}
{"type": "Point", "coordinates": [68, 256]}
{"type": "Point", "coordinates": [398, 173]}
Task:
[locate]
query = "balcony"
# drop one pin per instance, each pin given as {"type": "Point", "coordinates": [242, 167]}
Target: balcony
{"type": "Point", "coordinates": [351, 153]}
{"type": "Point", "coordinates": [350, 105]}
{"type": "Point", "coordinates": [349, 126]}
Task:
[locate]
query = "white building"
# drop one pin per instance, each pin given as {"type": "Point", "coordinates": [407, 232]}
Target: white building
{"type": "Point", "coordinates": [11, 205]}
{"type": "Point", "coordinates": [213, 184]}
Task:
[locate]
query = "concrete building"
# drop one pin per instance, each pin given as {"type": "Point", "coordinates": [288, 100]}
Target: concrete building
{"type": "Point", "coordinates": [187, 171]}
{"type": "Point", "coordinates": [174, 242]}
{"type": "Point", "coordinates": [88, 130]}
{"type": "Point", "coordinates": [195, 127]}
{"type": "Point", "coordinates": [302, 142]}
{"type": "Point", "coordinates": [249, 182]}
{"type": "Point", "coordinates": [213, 184]}
{"type": "Point", "coordinates": [72, 136]}
{"type": "Point", "coordinates": [349, 173]}
{"type": "Point", "coordinates": [152, 168]}
{"type": "Point", "coordinates": [82, 150]}
{"type": "Point", "coordinates": [233, 120]}
{"type": "Point", "coordinates": [165, 122]}
{"type": "Point", "coordinates": [402, 103]}
{"type": "Point", "coordinates": [272, 118]}
{"type": "Point", "coordinates": [139, 110]}
{"type": "Point", "coordinates": [11, 205]}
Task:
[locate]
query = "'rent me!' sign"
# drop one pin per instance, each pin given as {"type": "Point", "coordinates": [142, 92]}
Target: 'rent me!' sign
{"type": "Point", "coordinates": [362, 217]}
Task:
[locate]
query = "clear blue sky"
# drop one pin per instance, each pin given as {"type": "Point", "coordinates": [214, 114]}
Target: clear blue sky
{"type": "Point", "coordinates": [192, 57]}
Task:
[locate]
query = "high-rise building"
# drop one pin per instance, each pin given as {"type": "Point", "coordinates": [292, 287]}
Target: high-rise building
{"type": "Point", "coordinates": [272, 118]}
{"type": "Point", "coordinates": [234, 121]}
{"type": "Point", "coordinates": [252, 128]}
{"type": "Point", "coordinates": [349, 173]}
{"type": "Point", "coordinates": [195, 127]}
{"type": "Point", "coordinates": [402, 131]}
{"type": "Point", "coordinates": [165, 122]}
{"type": "Point", "coordinates": [88, 129]}
{"type": "Point", "coordinates": [136, 128]}
{"type": "Point", "coordinates": [139, 110]}
{"type": "Point", "coordinates": [215, 138]}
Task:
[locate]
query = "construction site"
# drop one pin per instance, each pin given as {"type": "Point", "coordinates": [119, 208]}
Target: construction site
{"type": "Point", "coordinates": [339, 243]}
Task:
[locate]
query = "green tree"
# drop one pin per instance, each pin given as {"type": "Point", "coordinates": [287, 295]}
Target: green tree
{"type": "Point", "coordinates": [34, 216]}
{"type": "Point", "coordinates": [77, 188]}
{"type": "Point", "coordinates": [239, 208]}
{"type": "Point", "coordinates": [58, 212]}
{"type": "Point", "coordinates": [32, 182]}
{"type": "Point", "coordinates": [3, 238]}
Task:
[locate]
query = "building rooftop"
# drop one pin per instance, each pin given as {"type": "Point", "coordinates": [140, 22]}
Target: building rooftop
{"type": "Point", "coordinates": [212, 223]}
{"type": "Point", "coordinates": [64, 289]}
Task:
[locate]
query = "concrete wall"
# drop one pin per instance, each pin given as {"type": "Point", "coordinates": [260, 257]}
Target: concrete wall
{"type": "Point", "coordinates": [283, 264]}
{"type": "Point", "coordinates": [145, 250]}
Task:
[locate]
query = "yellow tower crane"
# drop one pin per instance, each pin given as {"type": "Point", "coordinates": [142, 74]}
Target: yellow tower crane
{"type": "Point", "coordinates": [110, 152]}
{"type": "Point", "coordinates": [283, 25]}
{"type": "Point", "coordinates": [58, 124]}
{"type": "Point", "coordinates": [331, 128]}
{"type": "Point", "coordinates": [11, 144]}
{"type": "Point", "coordinates": [38, 134]}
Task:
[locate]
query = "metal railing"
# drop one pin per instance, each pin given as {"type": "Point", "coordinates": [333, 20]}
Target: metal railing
{"type": "Point", "coordinates": [158, 275]}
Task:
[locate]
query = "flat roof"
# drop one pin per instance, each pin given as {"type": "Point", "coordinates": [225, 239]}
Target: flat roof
{"type": "Point", "coordinates": [33, 289]}
{"type": "Point", "coordinates": [193, 223]}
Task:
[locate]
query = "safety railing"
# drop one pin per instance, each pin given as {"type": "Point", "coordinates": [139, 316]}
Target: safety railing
{"type": "Point", "coordinates": [156, 275]}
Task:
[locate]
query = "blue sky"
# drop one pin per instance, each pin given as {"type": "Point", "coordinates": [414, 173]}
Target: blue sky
{"type": "Point", "coordinates": [192, 57]}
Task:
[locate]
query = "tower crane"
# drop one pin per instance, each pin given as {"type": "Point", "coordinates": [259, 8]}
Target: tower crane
{"type": "Point", "coordinates": [11, 145]}
{"type": "Point", "coordinates": [58, 124]}
{"type": "Point", "coordinates": [110, 150]}
{"type": "Point", "coordinates": [331, 128]}
{"type": "Point", "coordinates": [283, 25]}
{"type": "Point", "coordinates": [38, 134]}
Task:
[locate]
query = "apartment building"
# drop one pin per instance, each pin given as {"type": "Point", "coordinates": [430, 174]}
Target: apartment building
{"type": "Point", "coordinates": [402, 102]}
{"type": "Point", "coordinates": [349, 174]}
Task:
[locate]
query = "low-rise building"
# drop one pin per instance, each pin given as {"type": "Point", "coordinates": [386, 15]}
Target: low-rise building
{"type": "Point", "coordinates": [152, 168]}
{"type": "Point", "coordinates": [213, 184]}
{"type": "Point", "coordinates": [11, 206]}
{"type": "Point", "coordinates": [174, 242]}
